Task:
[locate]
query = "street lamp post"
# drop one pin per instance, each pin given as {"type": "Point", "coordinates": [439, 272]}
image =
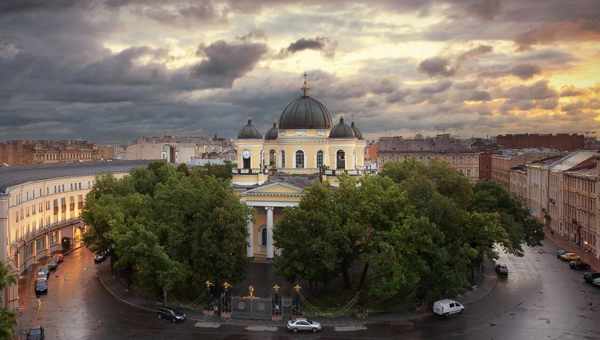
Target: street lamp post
{"type": "Point", "coordinates": [276, 304]}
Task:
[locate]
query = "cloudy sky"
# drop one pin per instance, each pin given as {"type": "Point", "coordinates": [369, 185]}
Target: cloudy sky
{"type": "Point", "coordinates": [111, 70]}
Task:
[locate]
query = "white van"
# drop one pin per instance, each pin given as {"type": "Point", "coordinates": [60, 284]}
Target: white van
{"type": "Point", "coordinates": [447, 307]}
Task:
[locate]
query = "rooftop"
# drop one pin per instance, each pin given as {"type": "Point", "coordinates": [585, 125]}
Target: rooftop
{"type": "Point", "coordinates": [573, 159]}
{"type": "Point", "coordinates": [13, 175]}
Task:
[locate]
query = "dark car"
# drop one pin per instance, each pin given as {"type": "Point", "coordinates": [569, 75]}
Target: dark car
{"type": "Point", "coordinates": [596, 282]}
{"type": "Point", "coordinates": [502, 270]}
{"type": "Point", "coordinates": [41, 287]}
{"type": "Point", "coordinates": [52, 264]}
{"type": "Point", "coordinates": [36, 333]}
{"type": "Point", "coordinates": [560, 253]}
{"type": "Point", "coordinates": [579, 265]}
{"type": "Point", "coordinates": [591, 276]}
{"type": "Point", "coordinates": [171, 314]}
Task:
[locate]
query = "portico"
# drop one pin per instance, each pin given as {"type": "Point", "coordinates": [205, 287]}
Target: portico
{"type": "Point", "coordinates": [268, 203]}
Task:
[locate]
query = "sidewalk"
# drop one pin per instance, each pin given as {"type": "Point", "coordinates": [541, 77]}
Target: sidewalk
{"type": "Point", "coordinates": [119, 292]}
{"type": "Point", "coordinates": [565, 244]}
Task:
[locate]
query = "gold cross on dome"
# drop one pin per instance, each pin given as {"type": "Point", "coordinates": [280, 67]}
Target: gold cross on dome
{"type": "Point", "coordinates": [305, 87]}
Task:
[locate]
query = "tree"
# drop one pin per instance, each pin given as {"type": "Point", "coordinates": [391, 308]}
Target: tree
{"type": "Point", "coordinates": [7, 318]}
{"type": "Point", "coordinates": [520, 226]}
{"type": "Point", "coordinates": [171, 228]}
{"type": "Point", "coordinates": [419, 230]}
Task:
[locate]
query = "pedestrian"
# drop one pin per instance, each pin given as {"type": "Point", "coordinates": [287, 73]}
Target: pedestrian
{"type": "Point", "coordinates": [39, 305]}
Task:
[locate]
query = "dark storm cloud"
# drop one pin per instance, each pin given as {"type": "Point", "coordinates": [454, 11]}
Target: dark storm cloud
{"type": "Point", "coordinates": [436, 66]}
{"type": "Point", "coordinates": [438, 87]}
{"type": "Point", "coordinates": [440, 66]}
{"type": "Point", "coordinates": [479, 96]}
{"type": "Point", "coordinates": [226, 62]}
{"type": "Point", "coordinates": [525, 71]}
{"type": "Point", "coordinates": [323, 44]}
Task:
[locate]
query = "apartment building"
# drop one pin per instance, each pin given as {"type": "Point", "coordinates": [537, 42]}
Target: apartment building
{"type": "Point", "coordinates": [457, 153]}
{"type": "Point", "coordinates": [40, 208]}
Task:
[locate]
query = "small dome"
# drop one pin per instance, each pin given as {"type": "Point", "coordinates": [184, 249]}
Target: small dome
{"type": "Point", "coordinates": [356, 131]}
{"type": "Point", "coordinates": [341, 130]}
{"type": "Point", "coordinates": [249, 132]}
{"type": "Point", "coordinates": [272, 133]}
{"type": "Point", "coordinates": [305, 112]}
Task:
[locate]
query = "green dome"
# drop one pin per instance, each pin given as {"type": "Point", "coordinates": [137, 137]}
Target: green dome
{"type": "Point", "coordinates": [249, 132]}
{"type": "Point", "coordinates": [341, 130]}
{"type": "Point", "coordinates": [305, 112]}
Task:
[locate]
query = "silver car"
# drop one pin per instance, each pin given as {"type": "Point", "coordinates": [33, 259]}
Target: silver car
{"type": "Point", "coordinates": [303, 325]}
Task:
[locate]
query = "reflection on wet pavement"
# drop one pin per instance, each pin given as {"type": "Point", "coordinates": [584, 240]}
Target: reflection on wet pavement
{"type": "Point", "coordinates": [541, 299]}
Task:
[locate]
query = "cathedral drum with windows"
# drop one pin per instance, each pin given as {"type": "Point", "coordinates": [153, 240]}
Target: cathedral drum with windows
{"type": "Point", "coordinates": [306, 145]}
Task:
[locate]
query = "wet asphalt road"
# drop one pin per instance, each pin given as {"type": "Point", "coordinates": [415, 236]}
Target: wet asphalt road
{"type": "Point", "coordinates": [541, 299]}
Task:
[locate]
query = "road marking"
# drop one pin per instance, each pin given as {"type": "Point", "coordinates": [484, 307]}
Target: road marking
{"type": "Point", "coordinates": [355, 328]}
{"type": "Point", "coordinates": [261, 328]}
{"type": "Point", "coordinates": [207, 325]}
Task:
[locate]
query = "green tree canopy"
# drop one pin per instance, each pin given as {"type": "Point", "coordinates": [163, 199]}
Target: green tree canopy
{"type": "Point", "coordinates": [418, 230]}
{"type": "Point", "coordinates": [173, 228]}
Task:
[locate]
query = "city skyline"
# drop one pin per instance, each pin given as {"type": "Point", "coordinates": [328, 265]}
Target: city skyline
{"type": "Point", "coordinates": [110, 71]}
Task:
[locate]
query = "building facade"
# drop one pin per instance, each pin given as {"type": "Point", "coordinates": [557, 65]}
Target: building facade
{"type": "Point", "coordinates": [175, 149]}
{"type": "Point", "coordinates": [502, 163]}
{"type": "Point", "coordinates": [455, 152]}
{"type": "Point", "coordinates": [562, 141]}
{"type": "Point", "coordinates": [40, 211]}
{"type": "Point", "coordinates": [25, 152]}
{"type": "Point", "coordinates": [518, 183]}
{"type": "Point", "coordinates": [305, 146]}
{"type": "Point", "coordinates": [580, 207]}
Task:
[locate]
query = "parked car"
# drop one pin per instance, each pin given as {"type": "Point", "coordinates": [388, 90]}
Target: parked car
{"type": "Point", "coordinates": [36, 333]}
{"type": "Point", "coordinates": [52, 264]}
{"type": "Point", "coordinates": [596, 282]}
{"type": "Point", "coordinates": [569, 257]}
{"type": "Point", "coordinates": [41, 287]}
{"type": "Point", "coordinates": [101, 256]}
{"type": "Point", "coordinates": [447, 307]}
{"type": "Point", "coordinates": [43, 272]}
{"type": "Point", "coordinates": [590, 276]}
{"type": "Point", "coordinates": [302, 324]}
{"type": "Point", "coordinates": [58, 258]}
{"type": "Point", "coordinates": [171, 314]}
{"type": "Point", "coordinates": [579, 265]}
{"type": "Point", "coordinates": [560, 253]}
{"type": "Point", "coordinates": [502, 270]}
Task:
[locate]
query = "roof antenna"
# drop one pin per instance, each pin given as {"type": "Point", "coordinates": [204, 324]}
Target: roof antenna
{"type": "Point", "coordinates": [305, 86]}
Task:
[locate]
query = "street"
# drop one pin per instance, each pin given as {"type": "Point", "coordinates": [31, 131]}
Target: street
{"type": "Point", "coordinates": [541, 299]}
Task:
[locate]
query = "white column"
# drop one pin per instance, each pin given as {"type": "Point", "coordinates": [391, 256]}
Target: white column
{"type": "Point", "coordinates": [269, 232]}
{"type": "Point", "coordinates": [250, 237]}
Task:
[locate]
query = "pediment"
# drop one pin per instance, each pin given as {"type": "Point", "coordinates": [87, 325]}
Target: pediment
{"type": "Point", "coordinates": [274, 188]}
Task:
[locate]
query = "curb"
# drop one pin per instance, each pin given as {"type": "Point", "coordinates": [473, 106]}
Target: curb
{"type": "Point", "coordinates": [111, 292]}
{"type": "Point", "coordinates": [325, 323]}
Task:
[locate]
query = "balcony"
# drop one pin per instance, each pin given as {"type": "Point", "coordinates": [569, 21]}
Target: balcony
{"type": "Point", "coordinates": [248, 172]}
{"type": "Point", "coordinates": [350, 172]}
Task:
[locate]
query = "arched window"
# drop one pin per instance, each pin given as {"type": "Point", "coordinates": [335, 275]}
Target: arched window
{"type": "Point", "coordinates": [282, 159]}
{"type": "Point", "coordinates": [272, 159]}
{"type": "Point", "coordinates": [319, 159]}
{"type": "Point", "coordinates": [299, 159]}
{"type": "Point", "coordinates": [341, 159]}
{"type": "Point", "coordinates": [246, 159]}
{"type": "Point", "coordinates": [263, 235]}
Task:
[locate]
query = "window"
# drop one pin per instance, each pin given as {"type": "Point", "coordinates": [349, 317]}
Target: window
{"type": "Point", "coordinates": [319, 159]}
{"type": "Point", "coordinates": [341, 160]}
{"type": "Point", "coordinates": [299, 159]}
{"type": "Point", "coordinates": [282, 159]}
{"type": "Point", "coordinates": [272, 159]}
{"type": "Point", "coordinates": [263, 235]}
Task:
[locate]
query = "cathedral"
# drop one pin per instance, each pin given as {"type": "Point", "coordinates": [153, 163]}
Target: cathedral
{"type": "Point", "coordinates": [305, 146]}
